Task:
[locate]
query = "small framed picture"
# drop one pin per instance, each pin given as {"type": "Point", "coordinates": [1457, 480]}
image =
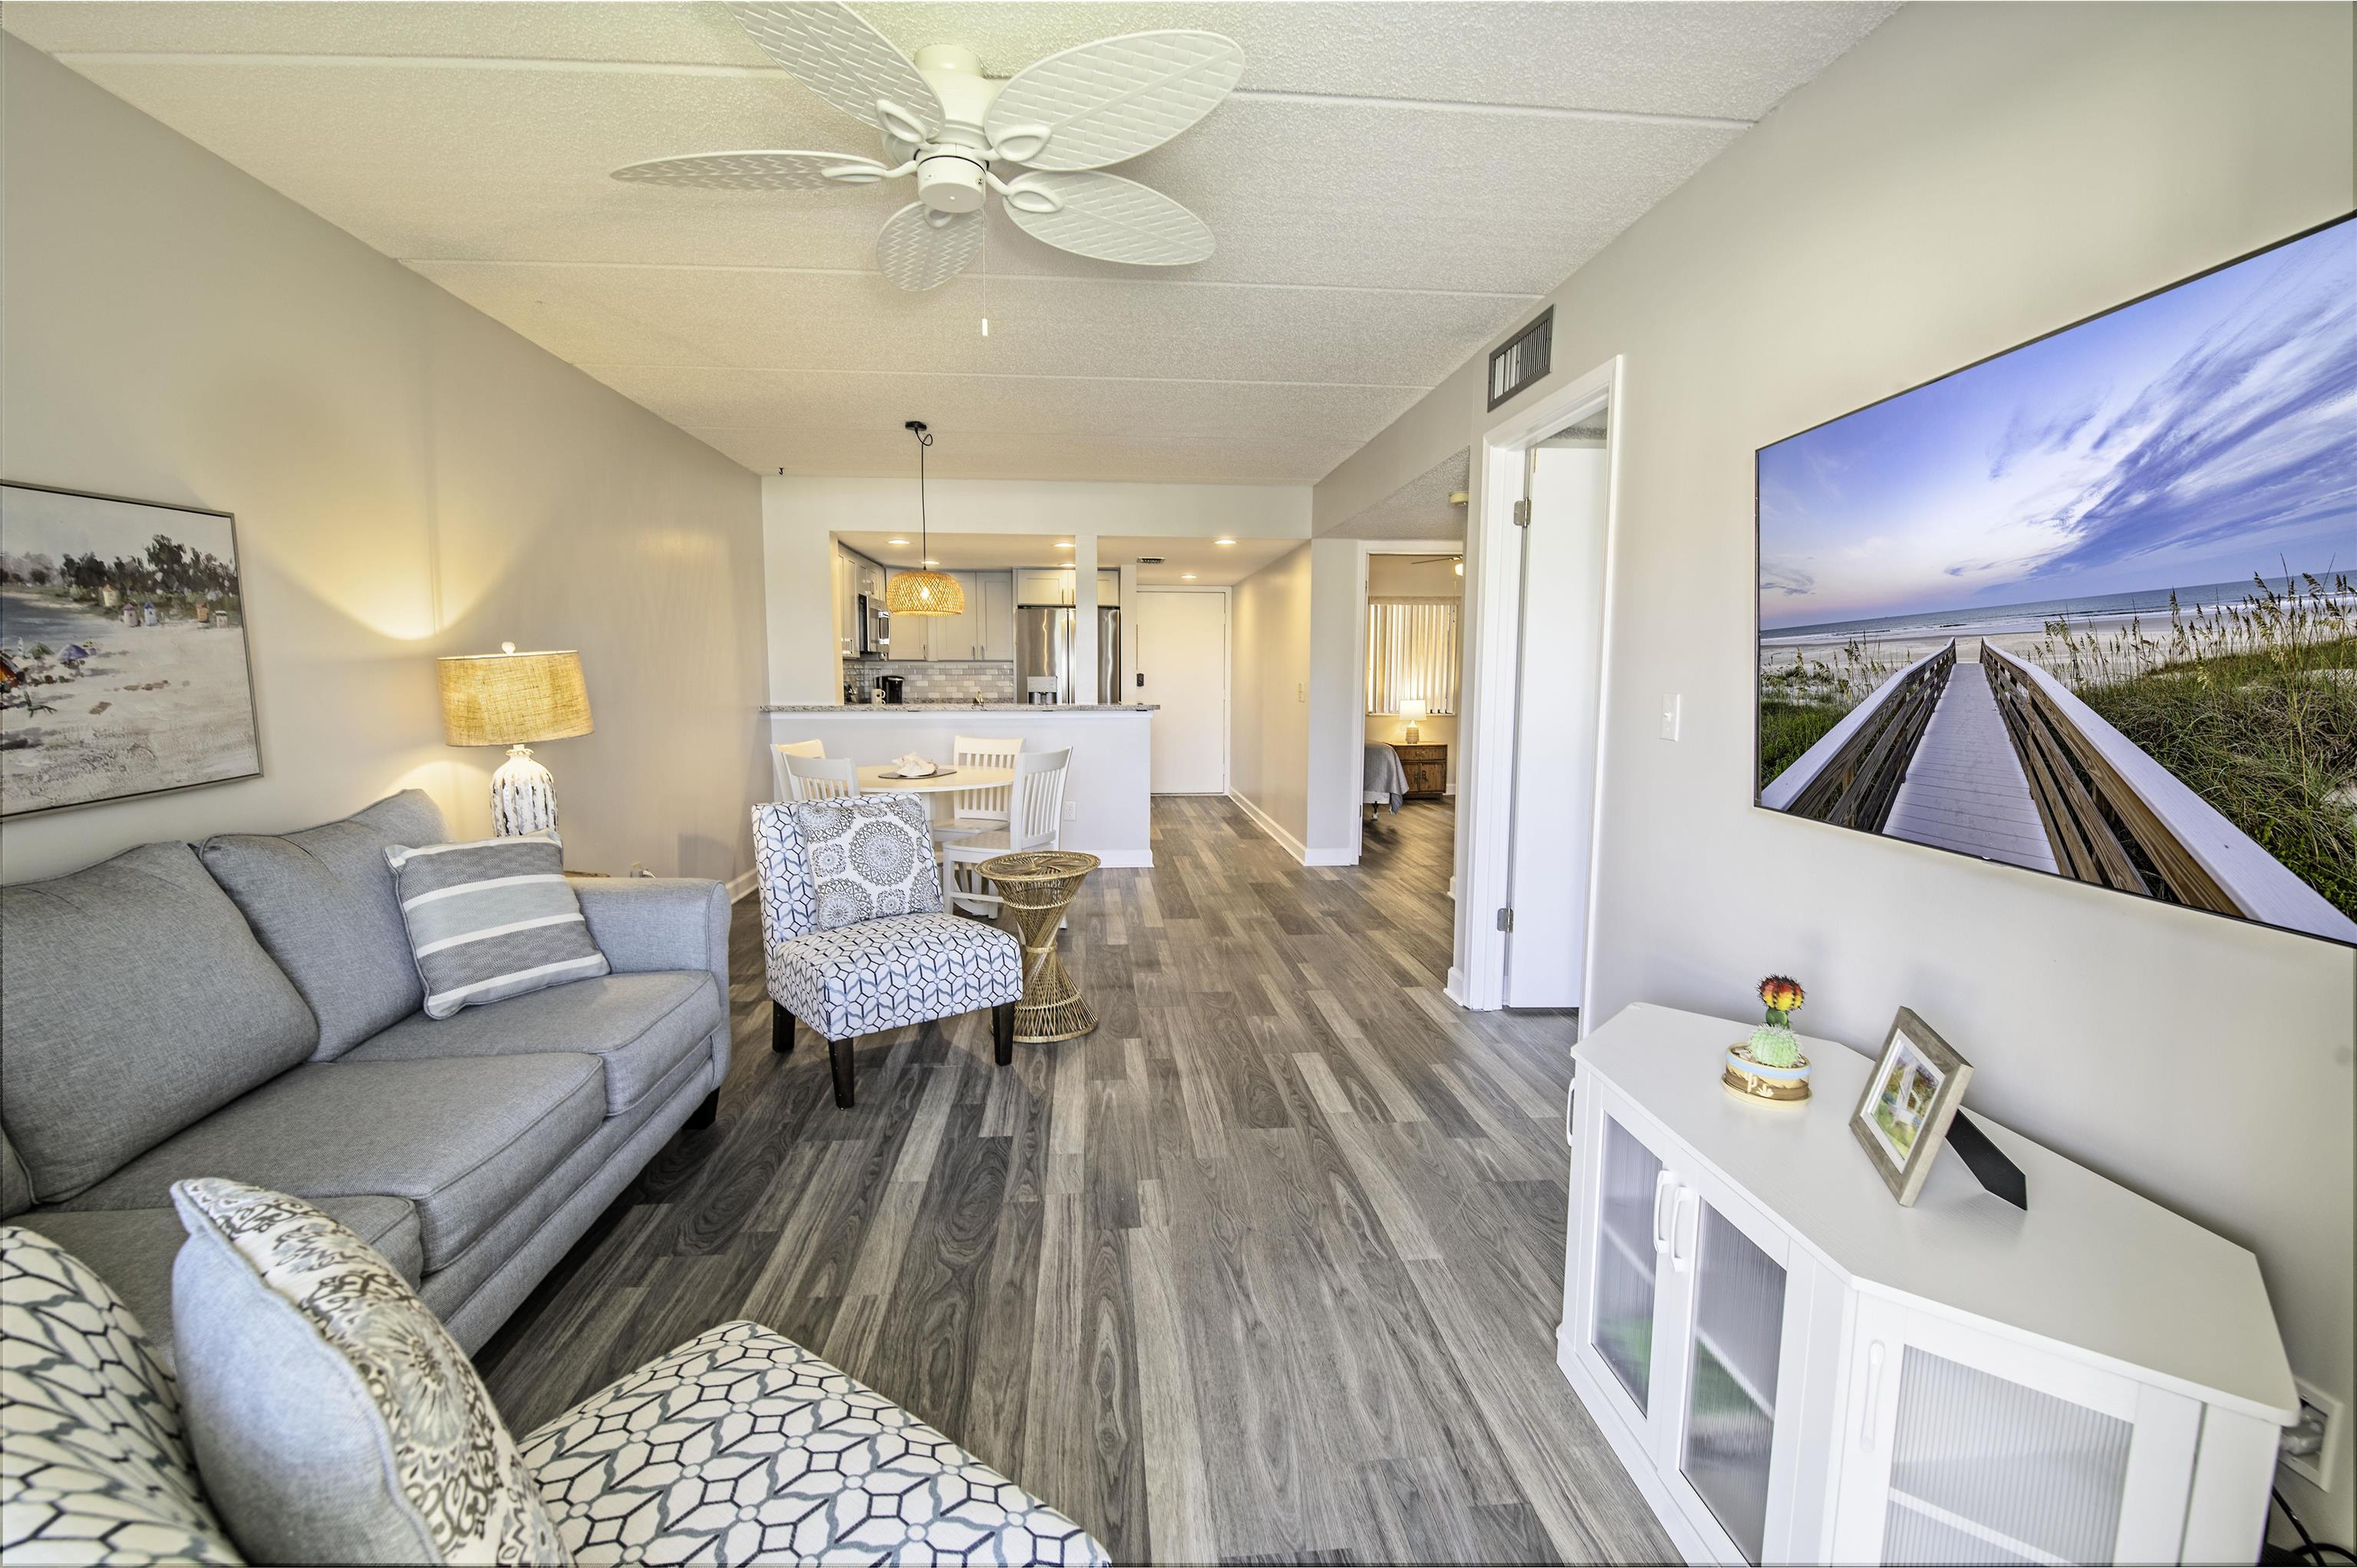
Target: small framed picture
{"type": "Point", "coordinates": [1902, 1118]}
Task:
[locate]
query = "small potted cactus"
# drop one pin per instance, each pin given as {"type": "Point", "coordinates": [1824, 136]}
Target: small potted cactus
{"type": "Point", "coordinates": [1770, 1066]}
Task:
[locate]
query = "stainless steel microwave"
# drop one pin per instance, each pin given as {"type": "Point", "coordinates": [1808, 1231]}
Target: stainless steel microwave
{"type": "Point", "coordinates": [875, 628]}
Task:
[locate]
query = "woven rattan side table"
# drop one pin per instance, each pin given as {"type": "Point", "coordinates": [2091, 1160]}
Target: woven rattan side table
{"type": "Point", "coordinates": [1037, 885]}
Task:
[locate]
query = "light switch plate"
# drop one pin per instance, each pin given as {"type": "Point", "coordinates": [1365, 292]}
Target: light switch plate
{"type": "Point", "coordinates": [1673, 704]}
{"type": "Point", "coordinates": [1071, 810]}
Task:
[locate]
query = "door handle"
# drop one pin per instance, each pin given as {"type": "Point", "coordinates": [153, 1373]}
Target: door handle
{"type": "Point", "coordinates": [1873, 1397]}
{"type": "Point", "coordinates": [1662, 1181]}
{"type": "Point", "coordinates": [1682, 1258]}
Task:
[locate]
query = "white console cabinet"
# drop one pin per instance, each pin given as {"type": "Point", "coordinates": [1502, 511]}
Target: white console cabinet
{"type": "Point", "coordinates": [1796, 1369]}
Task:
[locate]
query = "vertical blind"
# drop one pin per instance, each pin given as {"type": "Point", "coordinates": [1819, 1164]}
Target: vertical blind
{"type": "Point", "coordinates": [1411, 653]}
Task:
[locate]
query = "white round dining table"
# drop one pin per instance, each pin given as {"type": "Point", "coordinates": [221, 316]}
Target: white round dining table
{"type": "Point", "coordinates": [876, 779]}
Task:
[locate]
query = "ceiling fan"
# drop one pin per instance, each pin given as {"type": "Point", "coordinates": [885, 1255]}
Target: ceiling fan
{"type": "Point", "coordinates": [1060, 119]}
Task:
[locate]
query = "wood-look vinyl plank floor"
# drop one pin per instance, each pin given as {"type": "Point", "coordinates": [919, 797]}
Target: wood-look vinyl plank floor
{"type": "Point", "coordinates": [1267, 1269]}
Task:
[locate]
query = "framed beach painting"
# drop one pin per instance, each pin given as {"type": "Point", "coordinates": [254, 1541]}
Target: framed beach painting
{"type": "Point", "coordinates": [2086, 607]}
{"type": "Point", "coordinates": [123, 667]}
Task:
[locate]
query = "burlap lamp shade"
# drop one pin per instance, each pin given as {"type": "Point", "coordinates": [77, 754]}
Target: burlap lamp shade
{"type": "Point", "coordinates": [508, 699]}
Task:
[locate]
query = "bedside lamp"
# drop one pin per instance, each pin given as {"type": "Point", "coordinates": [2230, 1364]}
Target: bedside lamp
{"type": "Point", "coordinates": [1413, 709]}
{"type": "Point", "coordinates": [508, 699]}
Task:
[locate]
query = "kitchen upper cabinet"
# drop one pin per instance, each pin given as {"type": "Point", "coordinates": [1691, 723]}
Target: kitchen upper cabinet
{"type": "Point", "coordinates": [1044, 586]}
{"type": "Point", "coordinates": [1108, 587]}
{"type": "Point", "coordinates": [907, 637]}
{"type": "Point", "coordinates": [952, 636]}
{"type": "Point", "coordinates": [995, 633]}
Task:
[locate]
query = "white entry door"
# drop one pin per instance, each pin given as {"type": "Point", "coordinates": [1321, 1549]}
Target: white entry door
{"type": "Point", "coordinates": [1555, 713]}
{"type": "Point", "coordinates": [1182, 665]}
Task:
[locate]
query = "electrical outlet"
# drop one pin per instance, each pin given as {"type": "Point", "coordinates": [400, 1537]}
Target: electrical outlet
{"type": "Point", "coordinates": [1672, 706]}
{"type": "Point", "coordinates": [2311, 1449]}
{"type": "Point", "coordinates": [1071, 810]}
{"type": "Point", "coordinates": [1301, 690]}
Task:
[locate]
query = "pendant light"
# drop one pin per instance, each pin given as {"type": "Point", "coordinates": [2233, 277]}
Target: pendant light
{"type": "Point", "coordinates": [924, 592]}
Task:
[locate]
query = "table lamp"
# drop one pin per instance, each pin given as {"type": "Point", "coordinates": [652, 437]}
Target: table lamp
{"type": "Point", "coordinates": [508, 699]}
{"type": "Point", "coordinates": [1413, 709]}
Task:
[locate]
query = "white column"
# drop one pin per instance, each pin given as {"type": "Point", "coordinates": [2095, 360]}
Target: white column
{"type": "Point", "coordinates": [1084, 617]}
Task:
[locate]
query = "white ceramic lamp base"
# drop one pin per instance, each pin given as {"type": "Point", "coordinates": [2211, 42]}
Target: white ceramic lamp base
{"type": "Point", "coordinates": [524, 796]}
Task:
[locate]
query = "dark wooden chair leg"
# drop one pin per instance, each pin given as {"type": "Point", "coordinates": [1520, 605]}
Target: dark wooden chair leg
{"type": "Point", "coordinates": [781, 1029]}
{"type": "Point", "coordinates": [1002, 1033]}
{"type": "Point", "coordinates": [706, 1114]}
{"type": "Point", "coordinates": [838, 1057]}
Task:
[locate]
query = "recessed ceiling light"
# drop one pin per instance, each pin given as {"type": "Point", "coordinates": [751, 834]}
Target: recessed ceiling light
{"type": "Point", "coordinates": [896, 541]}
{"type": "Point", "coordinates": [1461, 568]}
{"type": "Point", "coordinates": [932, 562]}
{"type": "Point", "coordinates": [1063, 544]}
{"type": "Point", "coordinates": [1186, 577]}
{"type": "Point", "coordinates": [1224, 541]}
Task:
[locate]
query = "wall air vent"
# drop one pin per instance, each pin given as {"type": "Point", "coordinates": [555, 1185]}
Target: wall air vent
{"type": "Point", "coordinates": [1522, 359]}
{"type": "Point", "coordinates": [1149, 560]}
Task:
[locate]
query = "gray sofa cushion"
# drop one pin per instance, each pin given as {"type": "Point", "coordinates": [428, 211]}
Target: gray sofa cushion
{"type": "Point", "coordinates": [132, 1001]}
{"type": "Point", "coordinates": [335, 1420]}
{"type": "Point", "coordinates": [131, 1248]}
{"type": "Point", "coordinates": [16, 1184]}
{"type": "Point", "coordinates": [639, 1024]}
{"type": "Point", "coordinates": [464, 1141]}
{"type": "Point", "coordinates": [322, 902]}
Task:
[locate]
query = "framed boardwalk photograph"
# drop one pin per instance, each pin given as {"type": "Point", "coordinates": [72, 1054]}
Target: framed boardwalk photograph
{"type": "Point", "coordinates": [123, 667]}
{"type": "Point", "coordinates": [2085, 608]}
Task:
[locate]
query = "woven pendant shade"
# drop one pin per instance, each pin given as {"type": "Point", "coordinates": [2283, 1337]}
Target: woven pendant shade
{"type": "Point", "coordinates": [924, 594]}
{"type": "Point", "coordinates": [509, 699]}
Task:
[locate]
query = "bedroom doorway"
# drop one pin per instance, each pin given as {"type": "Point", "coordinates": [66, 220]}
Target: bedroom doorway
{"type": "Point", "coordinates": [1411, 633]}
{"type": "Point", "coordinates": [1538, 564]}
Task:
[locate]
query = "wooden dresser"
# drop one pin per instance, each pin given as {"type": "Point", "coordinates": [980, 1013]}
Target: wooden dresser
{"type": "Point", "coordinates": [1427, 768]}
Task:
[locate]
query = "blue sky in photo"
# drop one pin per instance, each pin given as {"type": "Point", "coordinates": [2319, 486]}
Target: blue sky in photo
{"type": "Point", "coordinates": [2194, 437]}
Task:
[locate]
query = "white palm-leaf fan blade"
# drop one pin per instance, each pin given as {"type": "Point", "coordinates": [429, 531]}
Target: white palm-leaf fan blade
{"type": "Point", "coordinates": [1100, 102]}
{"type": "Point", "coordinates": [1105, 216]}
{"type": "Point", "coordinates": [832, 50]}
{"type": "Point", "coordinates": [920, 248]}
{"type": "Point", "coordinates": [757, 171]}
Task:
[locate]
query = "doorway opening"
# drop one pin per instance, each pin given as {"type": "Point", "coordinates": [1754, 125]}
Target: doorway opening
{"type": "Point", "coordinates": [1411, 648]}
{"type": "Point", "coordinates": [1538, 572]}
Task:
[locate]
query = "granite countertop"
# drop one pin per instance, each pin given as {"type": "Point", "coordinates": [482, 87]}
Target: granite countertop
{"type": "Point", "coordinates": [1046, 710]}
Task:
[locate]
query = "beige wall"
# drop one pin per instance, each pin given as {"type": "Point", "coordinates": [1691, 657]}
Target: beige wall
{"type": "Point", "coordinates": [1268, 699]}
{"type": "Point", "coordinates": [409, 478]}
{"type": "Point", "coordinates": [1967, 178]}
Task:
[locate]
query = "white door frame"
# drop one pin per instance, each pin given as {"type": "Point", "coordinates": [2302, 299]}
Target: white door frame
{"type": "Point", "coordinates": [1391, 547]}
{"type": "Point", "coordinates": [1485, 729]}
{"type": "Point", "coordinates": [1227, 669]}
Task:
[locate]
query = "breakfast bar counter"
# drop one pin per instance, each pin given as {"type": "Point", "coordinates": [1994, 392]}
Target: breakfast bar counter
{"type": "Point", "coordinates": [1106, 803]}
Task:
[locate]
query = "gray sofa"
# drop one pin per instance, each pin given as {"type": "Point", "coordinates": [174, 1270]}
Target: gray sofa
{"type": "Point", "coordinates": [248, 1008]}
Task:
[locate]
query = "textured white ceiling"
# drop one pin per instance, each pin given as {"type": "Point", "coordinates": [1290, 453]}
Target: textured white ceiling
{"type": "Point", "coordinates": [1390, 187]}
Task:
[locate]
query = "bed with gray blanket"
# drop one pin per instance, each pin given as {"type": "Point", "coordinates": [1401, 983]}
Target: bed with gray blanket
{"type": "Point", "coordinates": [1385, 778]}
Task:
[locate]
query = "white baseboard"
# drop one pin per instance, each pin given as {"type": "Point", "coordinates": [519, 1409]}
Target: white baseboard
{"type": "Point", "coordinates": [738, 886]}
{"type": "Point", "coordinates": [1124, 859]}
{"type": "Point", "coordinates": [1328, 857]}
{"type": "Point", "coordinates": [1291, 846]}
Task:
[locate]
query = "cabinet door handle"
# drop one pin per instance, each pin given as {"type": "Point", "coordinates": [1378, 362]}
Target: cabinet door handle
{"type": "Point", "coordinates": [1662, 1183]}
{"type": "Point", "coordinates": [1682, 1258]}
{"type": "Point", "coordinates": [1873, 1400]}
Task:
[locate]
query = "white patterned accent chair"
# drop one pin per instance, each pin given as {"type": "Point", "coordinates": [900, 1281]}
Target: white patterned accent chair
{"type": "Point", "coordinates": [738, 1448]}
{"type": "Point", "coordinates": [845, 980]}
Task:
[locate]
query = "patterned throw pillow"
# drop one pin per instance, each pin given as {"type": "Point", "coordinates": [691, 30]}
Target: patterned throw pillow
{"type": "Point", "coordinates": [93, 1466]}
{"type": "Point", "coordinates": [333, 1416]}
{"type": "Point", "coordinates": [492, 920]}
{"type": "Point", "coordinates": [870, 856]}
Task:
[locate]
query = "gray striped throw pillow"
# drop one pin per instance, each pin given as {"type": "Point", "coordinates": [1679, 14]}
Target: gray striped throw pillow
{"type": "Point", "coordinates": [492, 920]}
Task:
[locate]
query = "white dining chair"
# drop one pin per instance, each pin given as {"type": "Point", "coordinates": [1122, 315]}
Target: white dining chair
{"type": "Point", "coordinates": [820, 778]}
{"type": "Point", "coordinates": [1035, 819]}
{"type": "Point", "coordinates": [779, 751]}
{"type": "Point", "coordinates": [977, 810]}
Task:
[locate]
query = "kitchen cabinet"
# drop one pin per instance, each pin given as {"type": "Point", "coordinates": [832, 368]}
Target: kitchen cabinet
{"type": "Point", "coordinates": [1793, 1367]}
{"type": "Point", "coordinates": [1108, 587]}
{"type": "Point", "coordinates": [1043, 585]}
{"type": "Point", "coordinates": [907, 637]}
{"type": "Point", "coordinates": [994, 633]}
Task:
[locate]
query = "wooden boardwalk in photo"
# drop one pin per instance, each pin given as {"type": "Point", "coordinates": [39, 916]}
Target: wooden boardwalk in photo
{"type": "Point", "coordinates": [1964, 788]}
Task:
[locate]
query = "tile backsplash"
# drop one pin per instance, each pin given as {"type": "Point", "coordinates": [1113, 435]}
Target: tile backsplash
{"type": "Point", "coordinates": [936, 681]}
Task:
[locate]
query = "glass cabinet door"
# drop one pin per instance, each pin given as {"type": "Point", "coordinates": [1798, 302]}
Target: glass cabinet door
{"type": "Point", "coordinates": [1737, 1330]}
{"type": "Point", "coordinates": [1625, 1259]}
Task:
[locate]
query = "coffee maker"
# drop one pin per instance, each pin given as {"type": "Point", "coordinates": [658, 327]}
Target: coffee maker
{"type": "Point", "coordinates": [894, 687]}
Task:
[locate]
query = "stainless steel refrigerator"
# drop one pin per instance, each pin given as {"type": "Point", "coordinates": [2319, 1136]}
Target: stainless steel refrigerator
{"type": "Point", "coordinates": [1043, 654]}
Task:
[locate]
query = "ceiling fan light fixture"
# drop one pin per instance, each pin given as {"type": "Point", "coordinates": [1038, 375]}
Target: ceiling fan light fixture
{"type": "Point", "coordinates": [923, 593]}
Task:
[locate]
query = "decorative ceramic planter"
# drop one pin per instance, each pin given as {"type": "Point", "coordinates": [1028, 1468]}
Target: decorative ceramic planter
{"type": "Point", "coordinates": [1760, 1082]}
